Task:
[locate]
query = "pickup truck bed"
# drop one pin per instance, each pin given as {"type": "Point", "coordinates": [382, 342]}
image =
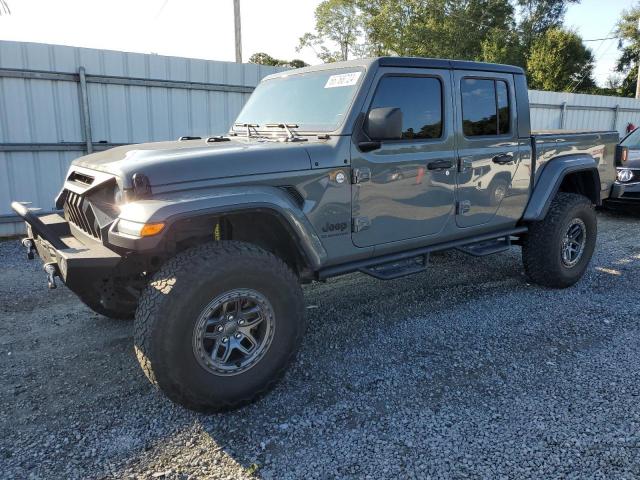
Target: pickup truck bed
{"type": "Point", "coordinates": [601, 145]}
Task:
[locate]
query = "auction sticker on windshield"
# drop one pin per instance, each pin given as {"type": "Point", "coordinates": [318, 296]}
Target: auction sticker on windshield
{"type": "Point", "coordinates": [342, 80]}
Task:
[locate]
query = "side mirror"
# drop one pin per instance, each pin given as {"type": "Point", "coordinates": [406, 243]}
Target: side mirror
{"type": "Point", "coordinates": [384, 123]}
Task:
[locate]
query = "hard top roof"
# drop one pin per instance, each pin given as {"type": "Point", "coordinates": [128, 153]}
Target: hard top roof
{"type": "Point", "coordinates": [411, 62]}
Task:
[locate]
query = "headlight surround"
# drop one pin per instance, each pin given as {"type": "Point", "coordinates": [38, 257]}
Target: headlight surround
{"type": "Point", "coordinates": [625, 175]}
{"type": "Point", "coordinates": [136, 229]}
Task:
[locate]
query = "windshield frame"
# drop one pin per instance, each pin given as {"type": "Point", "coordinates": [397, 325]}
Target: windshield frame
{"type": "Point", "coordinates": [340, 128]}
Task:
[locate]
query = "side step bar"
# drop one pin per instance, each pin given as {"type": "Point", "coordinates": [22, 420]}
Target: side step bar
{"type": "Point", "coordinates": [488, 247]}
{"type": "Point", "coordinates": [391, 270]}
{"type": "Point", "coordinates": [383, 266]}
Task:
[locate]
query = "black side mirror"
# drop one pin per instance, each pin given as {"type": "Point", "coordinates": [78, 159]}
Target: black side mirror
{"type": "Point", "coordinates": [384, 123]}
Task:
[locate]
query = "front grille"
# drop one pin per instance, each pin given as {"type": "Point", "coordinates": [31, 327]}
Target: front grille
{"type": "Point", "coordinates": [78, 211]}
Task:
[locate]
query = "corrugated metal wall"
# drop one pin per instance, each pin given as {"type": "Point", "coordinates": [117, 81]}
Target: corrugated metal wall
{"type": "Point", "coordinates": [41, 120]}
{"type": "Point", "coordinates": [132, 98]}
{"type": "Point", "coordinates": [578, 111]}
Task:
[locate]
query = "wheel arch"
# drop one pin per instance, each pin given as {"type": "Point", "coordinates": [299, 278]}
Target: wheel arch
{"type": "Point", "coordinates": [567, 173]}
{"type": "Point", "coordinates": [263, 226]}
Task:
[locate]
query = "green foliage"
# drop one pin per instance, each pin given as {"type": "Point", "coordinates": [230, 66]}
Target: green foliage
{"type": "Point", "coordinates": [538, 16]}
{"type": "Point", "coordinates": [559, 61]}
{"type": "Point", "coordinates": [527, 33]}
{"type": "Point", "coordinates": [338, 24]}
{"type": "Point", "coordinates": [262, 58]}
{"type": "Point", "coordinates": [628, 33]}
{"type": "Point", "coordinates": [503, 46]}
{"type": "Point", "coordinates": [433, 28]}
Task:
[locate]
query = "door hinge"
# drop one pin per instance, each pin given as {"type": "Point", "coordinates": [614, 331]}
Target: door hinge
{"type": "Point", "coordinates": [463, 207]}
{"type": "Point", "coordinates": [359, 224]}
{"type": "Point", "coordinates": [360, 175]}
{"type": "Point", "coordinates": [465, 163]}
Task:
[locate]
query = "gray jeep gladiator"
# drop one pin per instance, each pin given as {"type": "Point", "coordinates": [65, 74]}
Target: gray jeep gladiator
{"type": "Point", "coordinates": [363, 166]}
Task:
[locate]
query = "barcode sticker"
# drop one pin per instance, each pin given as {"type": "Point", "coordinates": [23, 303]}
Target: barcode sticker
{"type": "Point", "coordinates": [342, 80]}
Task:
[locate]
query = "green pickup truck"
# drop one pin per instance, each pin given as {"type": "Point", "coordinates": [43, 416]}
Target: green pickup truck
{"type": "Point", "coordinates": [362, 166]}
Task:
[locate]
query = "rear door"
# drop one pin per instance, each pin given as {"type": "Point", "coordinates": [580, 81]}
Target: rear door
{"type": "Point", "coordinates": [487, 145]}
{"type": "Point", "coordinates": [407, 189]}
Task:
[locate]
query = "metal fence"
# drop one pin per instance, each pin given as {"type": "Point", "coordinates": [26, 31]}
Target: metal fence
{"type": "Point", "coordinates": [57, 102]}
{"type": "Point", "coordinates": [573, 111]}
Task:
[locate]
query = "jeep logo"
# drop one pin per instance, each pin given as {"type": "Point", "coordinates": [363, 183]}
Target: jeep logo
{"type": "Point", "coordinates": [335, 227]}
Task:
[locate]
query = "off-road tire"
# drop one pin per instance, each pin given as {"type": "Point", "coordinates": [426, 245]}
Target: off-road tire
{"type": "Point", "coordinates": [120, 312]}
{"type": "Point", "coordinates": [542, 247]}
{"type": "Point", "coordinates": [121, 305]}
{"type": "Point", "coordinates": [168, 313]}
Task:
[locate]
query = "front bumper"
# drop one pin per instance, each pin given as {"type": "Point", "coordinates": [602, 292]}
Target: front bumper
{"type": "Point", "coordinates": [627, 193]}
{"type": "Point", "coordinates": [77, 263]}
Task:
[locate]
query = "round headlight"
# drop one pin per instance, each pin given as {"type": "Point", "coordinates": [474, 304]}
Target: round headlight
{"type": "Point", "coordinates": [625, 175]}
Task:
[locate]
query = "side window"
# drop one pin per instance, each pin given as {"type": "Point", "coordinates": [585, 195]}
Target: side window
{"type": "Point", "coordinates": [419, 98]}
{"type": "Point", "coordinates": [485, 107]}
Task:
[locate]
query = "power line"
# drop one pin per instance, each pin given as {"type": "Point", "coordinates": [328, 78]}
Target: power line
{"type": "Point", "coordinates": [598, 39]}
{"type": "Point", "coordinates": [577, 84]}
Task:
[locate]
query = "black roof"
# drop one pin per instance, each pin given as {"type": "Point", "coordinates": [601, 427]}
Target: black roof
{"type": "Point", "coordinates": [419, 62]}
{"type": "Point", "coordinates": [411, 62]}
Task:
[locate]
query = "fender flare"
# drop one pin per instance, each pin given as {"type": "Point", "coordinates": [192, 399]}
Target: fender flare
{"type": "Point", "coordinates": [550, 179]}
{"type": "Point", "coordinates": [172, 208]}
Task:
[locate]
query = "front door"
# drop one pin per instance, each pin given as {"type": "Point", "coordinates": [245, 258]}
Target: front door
{"type": "Point", "coordinates": [487, 145]}
{"type": "Point", "coordinates": [405, 189]}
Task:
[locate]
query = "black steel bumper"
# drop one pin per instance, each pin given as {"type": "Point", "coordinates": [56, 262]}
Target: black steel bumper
{"type": "Point", "coordinates": [77, 263]}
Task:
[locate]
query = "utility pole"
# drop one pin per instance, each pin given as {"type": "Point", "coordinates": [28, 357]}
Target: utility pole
{"type": "Point", "coordinates": [638, 66]}
{"type": "Point", "coordinates": [236, 17]}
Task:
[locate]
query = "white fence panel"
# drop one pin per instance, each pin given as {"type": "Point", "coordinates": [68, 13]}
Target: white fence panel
{"type": "Point", "coordinates": [578, 111]}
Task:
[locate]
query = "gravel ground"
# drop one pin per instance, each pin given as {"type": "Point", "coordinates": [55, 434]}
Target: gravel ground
{"type": "Point", "coordinates": [463, 371]}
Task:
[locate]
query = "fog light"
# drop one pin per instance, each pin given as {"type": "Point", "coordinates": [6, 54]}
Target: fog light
{"type": "Point", "coordinates": [136, 229]}
{"type": "Point", "coordinates": [625, 175]}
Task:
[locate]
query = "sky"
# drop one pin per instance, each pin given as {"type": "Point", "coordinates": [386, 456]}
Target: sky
{"type": "Point", "coordinates": [204, 28]}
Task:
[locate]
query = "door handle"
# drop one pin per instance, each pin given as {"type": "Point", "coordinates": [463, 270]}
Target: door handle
{"type": "Point", "coordinates": [503, 158]}
{"type": "Point", "coordinates": [440, 165]}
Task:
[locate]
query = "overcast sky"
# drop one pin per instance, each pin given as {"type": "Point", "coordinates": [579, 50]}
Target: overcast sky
{"type": "Point", "coordinates": [204, 28]}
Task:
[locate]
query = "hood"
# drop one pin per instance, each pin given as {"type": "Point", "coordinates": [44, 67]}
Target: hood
{"type": "Point", "coordinates": [192, 160]}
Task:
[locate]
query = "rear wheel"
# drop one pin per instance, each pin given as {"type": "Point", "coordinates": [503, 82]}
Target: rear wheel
{"type": "Point", "coordinates": [218, 325]}
{"type": "Point", "coordinates": [558, 249]}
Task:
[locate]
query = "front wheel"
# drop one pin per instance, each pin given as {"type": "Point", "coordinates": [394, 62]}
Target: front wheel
{"type": "Point", "coordinates": [558, 249]}
{"type": "Point", "coordinates": [218, 325]}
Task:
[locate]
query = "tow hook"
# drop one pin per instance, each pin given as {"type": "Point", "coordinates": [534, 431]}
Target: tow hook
{"type": "Point", "coordinates": [52, 272]}
{"type": "Point", "coordinates": [28, 244]}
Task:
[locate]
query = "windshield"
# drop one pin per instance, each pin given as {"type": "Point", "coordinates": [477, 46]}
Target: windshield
{"type": "Point", "coordinates": [632, 140]}
{"type": "Point", "coordinates": [315, 101]}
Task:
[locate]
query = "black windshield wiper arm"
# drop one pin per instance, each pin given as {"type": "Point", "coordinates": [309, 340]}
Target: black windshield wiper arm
{"type": "Point", "coordinates": [248, 126]}
{"type": "Point", "coordinates": [291, 136]}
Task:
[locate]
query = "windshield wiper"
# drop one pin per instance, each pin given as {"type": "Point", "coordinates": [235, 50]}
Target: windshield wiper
{"type": "Point", "coordinates": [291, 135]}
{"type": "Point", "coordinates": [248, 126]}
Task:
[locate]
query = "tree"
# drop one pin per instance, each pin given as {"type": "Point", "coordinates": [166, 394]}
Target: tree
{"type": "Point", "coordinates": [503, 46]}
{"type": "Point", "coordinates": [559, 61]}
{"type": "Point", "coordinates": [434, 28]}
{"type": "Point", "coordinates": [262, 58]}
{"type": "Point", "coordinates": [628, 35]}
{"type": "Point", "coordinates": [538, 16]}
{"type": "Point", "coordinates": [338, 25]}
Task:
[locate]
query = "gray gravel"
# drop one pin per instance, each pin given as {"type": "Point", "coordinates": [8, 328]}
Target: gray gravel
{"type": "Point", "coordinates": [463, 371]}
